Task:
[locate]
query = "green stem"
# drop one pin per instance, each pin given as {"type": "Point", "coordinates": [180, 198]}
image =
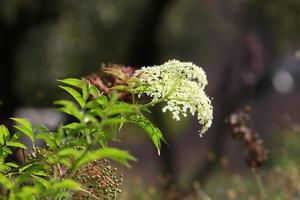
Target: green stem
{"type": "Point", "coordinates": [153, 103]}
{"type": "Point", "coordinates": [89, 193]}
{"type": "Point", "coordinates": [165, 97]}
{"type": "Point", "coordinates": [87, 149]}
{"type": "Point", "coordinates": [259, 184]}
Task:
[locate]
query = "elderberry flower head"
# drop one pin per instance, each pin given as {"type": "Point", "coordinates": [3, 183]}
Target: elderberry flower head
{"type": "Point", "coordinates": [181, 85]}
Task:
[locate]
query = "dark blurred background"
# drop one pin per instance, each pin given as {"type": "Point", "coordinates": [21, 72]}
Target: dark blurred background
{"type": "Point", "coordinates": [250, 50]}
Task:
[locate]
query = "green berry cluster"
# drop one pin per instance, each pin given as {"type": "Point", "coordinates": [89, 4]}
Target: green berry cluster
{"type": "Point", "coordinates": [100, 179]}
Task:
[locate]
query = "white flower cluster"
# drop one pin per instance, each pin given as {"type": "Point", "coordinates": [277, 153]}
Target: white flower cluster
{"type": "Point", "coordinates": [181, 85]}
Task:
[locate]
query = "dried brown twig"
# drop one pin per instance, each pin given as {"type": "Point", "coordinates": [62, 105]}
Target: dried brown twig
{"type": "Point", "coordinates": [257, 153]}
{"type": "Point", "coordinates": [238, 124]}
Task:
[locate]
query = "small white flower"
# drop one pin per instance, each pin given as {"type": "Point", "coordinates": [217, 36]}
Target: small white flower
{"type": "Point", "coordinates": [181, 85]}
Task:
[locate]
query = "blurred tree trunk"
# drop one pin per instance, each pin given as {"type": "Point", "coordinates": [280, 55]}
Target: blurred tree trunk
{"type": "Point", "coordinates": [249, 64]}
{"type": "Point", "coordinates": [144, 52]}
{"type": "Point", "coordinates": [12, 34]}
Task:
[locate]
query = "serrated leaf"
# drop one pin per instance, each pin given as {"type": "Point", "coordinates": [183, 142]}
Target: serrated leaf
{"type": "Point", "coordinates": [4, 169]}
{"type": "Point", "coordinates": [43, 181]}
{"type": "Point", "coordinates": [27, 192]}
{"type": "Point", "coordinates": [11, 164]}
{"type": "Point", "coordinates": [118, 155]}
{"type": "Point", "coordinates": [23, 122]}
{"type": "Point", "coordinates": [35, 169]}
{"type": "Point", "coordinates": [15, 137]}
{"type": "Point", "coordinates": [141, 89]}
{"type": "Point", "coordinates": [102, 100]}
{"type": "Point", "coordinates": [114, 121]}
{"type": "Point", "coordinates": [4, 181]}
{"type": "Point", "coordinates": [76, 95]}
{"type": "Point", "coordinates": [42, 128]}
{"type": "Point", "coordinates": [153, 132]}
{"type": "Point", "coordinates": [72, 82]}
{"type": "Point", "coordinates": [16, 144]}
{"type": "Point", "coordinates": [25, 127]}
{"type": "Point", "coordinates": [69, 152]}
{"type": "Point", "coordinates": [121, 88]}
{"type": "Point", "coordinates": [85, 90]}
{"type": "Point", "coordinates": [25, 167]}
{"type": "Point", "coordinates": [66, 184]}
{"type": "Point", "coordinates": [48, 138]}
{"type": "Point", "coordinates": [93, 90]}
{"type": "Point", "coordinates": [91, 105]}
{"type": "Point", "coordinates": [7, 150]}
{"type": "Point", "coordinates": [70, 108]}
{"type": "Point", "coordinates": [75, 126]}
{"type": "Point", "coordinates": [4, 134]}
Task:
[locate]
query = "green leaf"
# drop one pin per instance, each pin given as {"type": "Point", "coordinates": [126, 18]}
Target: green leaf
{"type": "Point", "coordinates": [14, 165]}
{"type": "Point", "coordinates": [141, 89]}
{"type": "Point", "coordinates": [35, 169]}
{"type": "Point", "coordinates": [42, 128]}
{"type": "Point", "coordinates": [7, 150]}
{"type": "Point", "coordinates": [15, 137]}
{"type": "Point", "coordinates": [85, 90]}
{"type": "Point", "coordinates": [6, 182]}
{"type": "Point", "coordinates": [93, 90]}
{"type": "Point", "coordinates": [69, 152]}
{"type": "Point", "coordinates": [27, 192]}
{"type": "Point", "coordinates": [25, 127]}
{"type": "Point", "coordinates": [75, 95]}
{"type": "Point", "coordinates": [72, 82]}
{"type": "Point", "coordinates": [154, 133]}
{"type": "Point", "coordinates": [4, 168]}
{"type": "Point", "coordinates": [69, 108]}
{"type": "Point", "coordinates": [118, 155]}
{"type": "Point", "coordinates": [102, 100]}
{"type": "Point", "coordinates": [66, 184]}
{"type": "Point", "coordinates": [4, 135]}
{"type": "Point", "coordinates": [75, 126]}
{"type": "Point", "coordinates": [26, 166]}
{"type": "Point", "coordinates": [43, 181]}
{"type": "Point", "coordinates": [103, 141]}
{"type": "Point", "coordinates": [114, 121]}
{"type": "Point", "coordinates": [122, 108]}
{"type": "Point", "coordinates": [91, 105]}
{"type": "Point", "coordinates": [121, 88]}
{"type": "Point", "coordinates": [16, 144]}
{"type": "Point", "coordinates": [48, 138]}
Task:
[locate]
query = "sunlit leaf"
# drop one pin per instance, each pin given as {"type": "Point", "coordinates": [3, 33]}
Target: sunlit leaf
{"type": "Point", "coordinates": [4, 181]}
{"type": "Point", "coordinates": [93, 90]}
{"type": "Point", "coordinates": [85, 90]}
{"type": "Point", "coordinates": [118, 155]}
{"type": "Point", "coordinates": [72, 82]}
{"type": "Point", "coordinates": [66, 184]}
{"type": "Point", "coordinates": [69, 152]}
{"type": "Point", "coordinates": [76, 95]}
{"type": "Point", "coordinates": [75, 126]}
{"type": "Point", "coordinates": [122, 108]}
{"type": "Point", "coordinates": [69, 108]}
{"type": "Point", "coordinates": [48, 138]}
{"type": "Point", "coordinates": [154, 133]}
{"type": "Point", "coordinates": [16, 144]}
{"type": "Point", "coordinates": [4, 134]}
{"type": "Point", "coordinates": [121, 88]}
{"type": "Point", "coordinates": [11, 164]}
{"type": "Point", "coordinates": [25, 127]}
